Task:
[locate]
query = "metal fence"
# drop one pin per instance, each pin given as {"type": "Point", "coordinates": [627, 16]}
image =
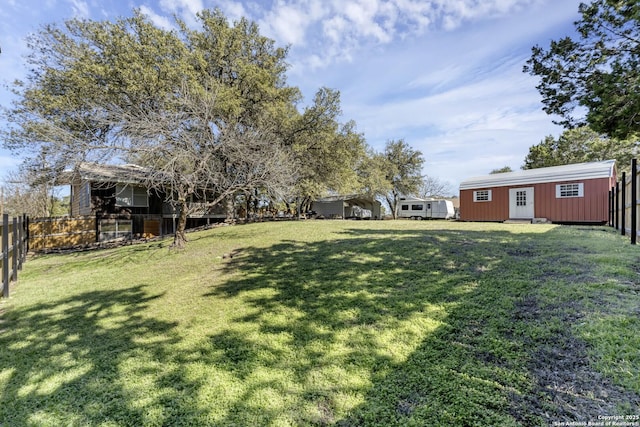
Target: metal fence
{"type": "Point", "coordinates": [623, 204]}
{"type": "Point", "coordinates": [14, 249]}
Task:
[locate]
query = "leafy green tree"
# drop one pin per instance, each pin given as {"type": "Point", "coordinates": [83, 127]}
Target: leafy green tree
{"type": "Point", "coordinates": [598, 71]}
{"type": "Point", "coordinates": [580, 145]}
{"type": "Point", "coordinates": [372, 174]}
{"type": "Point", "coordinates": [326, 152]}
{"type": "Point", "coordinates": [403, 167]}
{"type": "Point", "coordinates": [193, 105]}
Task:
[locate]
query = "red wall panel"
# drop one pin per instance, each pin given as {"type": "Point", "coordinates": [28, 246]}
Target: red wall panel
{"type": "Point", "coordinates": [593, 207]}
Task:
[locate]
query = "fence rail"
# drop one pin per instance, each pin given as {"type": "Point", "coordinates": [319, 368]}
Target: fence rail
{"type": "Point", "coordinates": [15, 241]}
{"type": "Point", "coordinates": [623, 204]}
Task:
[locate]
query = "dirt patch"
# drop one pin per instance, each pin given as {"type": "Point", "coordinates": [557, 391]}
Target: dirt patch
{"type": "Point", "coordinates": [565, 385]}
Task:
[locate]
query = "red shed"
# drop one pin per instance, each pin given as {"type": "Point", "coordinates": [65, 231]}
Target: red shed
{"type": "Point", "coordinates": [570, 193]}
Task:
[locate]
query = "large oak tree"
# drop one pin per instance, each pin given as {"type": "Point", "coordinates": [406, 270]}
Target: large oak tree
{"type": "Point", "coordinates": [205, 108]}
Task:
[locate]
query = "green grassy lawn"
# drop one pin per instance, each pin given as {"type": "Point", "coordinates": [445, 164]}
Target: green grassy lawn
{"type": "Point", "coordinates": [347, 323]}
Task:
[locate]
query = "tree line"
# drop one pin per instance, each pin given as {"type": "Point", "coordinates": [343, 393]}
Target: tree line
{"type": "Point", "coordinates": [209, 109]}
{"type": "Point", "coordinates": [205, 109]}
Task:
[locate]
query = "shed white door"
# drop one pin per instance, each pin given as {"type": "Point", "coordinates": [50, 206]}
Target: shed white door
{"type": "Point", "coordinates": [521, 203]}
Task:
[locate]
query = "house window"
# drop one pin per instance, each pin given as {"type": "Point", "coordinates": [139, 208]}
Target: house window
{"type": "Point", "coordinates": [482, 196]}
{"type": "Point", "coordinates": [521, 198]}
{"type": "Point", "coordinates": [129, 195]}
{"type": "Point", "coordinates": [416, 207]}
{"type": "Point", "coordinates": [84, 198]}
{"type": "Point", "coordinates": [569, 190]}
{"type": "Point", "coordinates": [404, 207]}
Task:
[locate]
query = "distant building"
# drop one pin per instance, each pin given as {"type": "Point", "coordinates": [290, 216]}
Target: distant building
{"type": "Point", "coordinates": [347, 206]}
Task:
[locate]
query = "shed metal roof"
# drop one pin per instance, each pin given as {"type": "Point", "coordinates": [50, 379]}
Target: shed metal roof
{"type": "Point", "coordinates": [353, 198]}
{"type": "Point", "coordinates": [573, 172]}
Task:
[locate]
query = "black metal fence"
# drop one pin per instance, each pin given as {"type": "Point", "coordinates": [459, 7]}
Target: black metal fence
{"type": "Point", "coordinates": [14, 247]}
{"type": "Point", "coordinates": [623, 204]}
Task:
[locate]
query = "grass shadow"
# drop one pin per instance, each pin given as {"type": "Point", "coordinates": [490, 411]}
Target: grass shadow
{"type": "Point", "coordinates": [353, 326]}
{"type": "Point", "coordinates": [340, 316]}
{"type": "Point", "coordinates": [68, 363]}
{"type": "Point", "coordinates": [425, 326]}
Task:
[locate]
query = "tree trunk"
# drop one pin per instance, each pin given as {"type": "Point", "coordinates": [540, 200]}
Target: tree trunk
{"type": "Point", "coordinates": [393, 206]}
{"type": "Point", "coordinates": [180, 238]}
{"type": "Point", "coordinates": [230, 207]}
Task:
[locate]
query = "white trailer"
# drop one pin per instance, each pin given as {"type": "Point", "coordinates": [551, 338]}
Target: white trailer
{"type": "Point", "coordinates": [426, 209]}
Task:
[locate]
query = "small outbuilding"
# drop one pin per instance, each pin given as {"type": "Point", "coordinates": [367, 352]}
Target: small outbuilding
{"type": "Point", "coordinates": [347, 206]}
{"type": "Point", "coordinates": [576, 193]}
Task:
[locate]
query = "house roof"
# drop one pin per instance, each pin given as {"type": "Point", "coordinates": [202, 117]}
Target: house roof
{"type": "Point", "coordinates": [95, 172]}
{"type": "Point", "coordinates": [573, 172]}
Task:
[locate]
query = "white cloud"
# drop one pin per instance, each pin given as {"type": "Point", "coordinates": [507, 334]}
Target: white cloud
{"type": "Point", "coordinates": [287, 24]}
{"type": "Point", "coordinates": [191, 6]}
{"type": "Point", "coordinates": [80, 8]}
{"type": "Point", "coordinates": [326, 33]}
{"type": "Point", "coordinates": [335, 28]}
{"type": "Point", "coordinates": [158, 20]}
{"type": "Point", "coordinates": [233, 10]}
{"type": "Point", "coordinates": [362, 16]}
{"type": "Point", "coordinates": [185, 9]}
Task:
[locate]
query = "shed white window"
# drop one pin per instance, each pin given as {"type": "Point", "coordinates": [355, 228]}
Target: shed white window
{"type": "Point", "coordinates": [569, 190]}
{"type": "Point", "coordinates": [482, 196]}
{"type": "Point", "coordinates": [129, 195]}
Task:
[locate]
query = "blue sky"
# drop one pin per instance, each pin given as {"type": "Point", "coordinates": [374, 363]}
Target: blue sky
{"type": "Point", "coordinates": [444, 75]}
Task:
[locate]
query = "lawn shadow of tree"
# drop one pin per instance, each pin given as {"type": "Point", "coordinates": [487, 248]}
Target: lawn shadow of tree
{"type": "Point", "coordinates": [453, 301]}
{"type": "Point", "coordinates": [372, 327]}
{"type": "Point", "coordinates": [68, 363]}
{"type": "Point", "coordinates": [368, 307]}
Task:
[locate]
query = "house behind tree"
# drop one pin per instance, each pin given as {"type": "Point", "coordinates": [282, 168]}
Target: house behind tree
{"type": "Point", "coordinates": [112, 192]}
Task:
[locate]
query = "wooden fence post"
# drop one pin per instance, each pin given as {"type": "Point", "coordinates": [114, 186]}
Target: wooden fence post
{"type": "Point", "coordinates": [634, 201]}
{"type": "Point", "coordinates": [20, 232]}
{"type": "Point", "coordinates": [5, 255]}
{"type": "Point", "coordinates": [623, 205]}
